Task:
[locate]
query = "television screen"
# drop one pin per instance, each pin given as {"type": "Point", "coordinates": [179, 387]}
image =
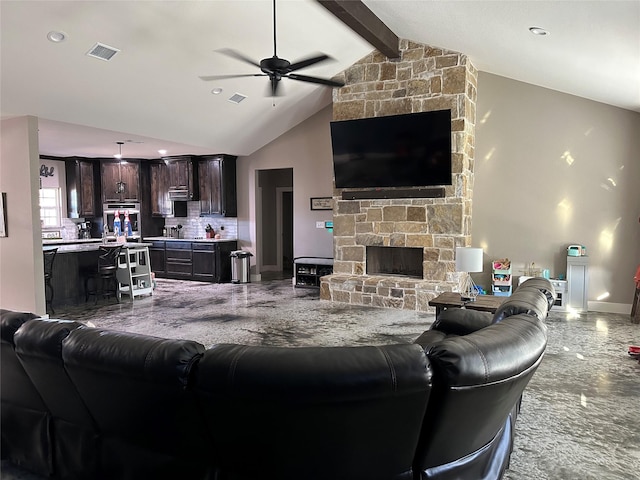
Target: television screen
{"type": "Point", "coordinates": [410, 150]}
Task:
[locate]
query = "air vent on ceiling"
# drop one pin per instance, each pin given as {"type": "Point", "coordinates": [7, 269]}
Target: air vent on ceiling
{"type": "Point", "coordinates": [237, 98]}
{"type": "Point", "coordinates": [102, 51]}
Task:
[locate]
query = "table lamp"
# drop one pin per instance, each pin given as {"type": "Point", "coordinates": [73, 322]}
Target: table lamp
{"type": "Point", "coordinates": [468, 259]}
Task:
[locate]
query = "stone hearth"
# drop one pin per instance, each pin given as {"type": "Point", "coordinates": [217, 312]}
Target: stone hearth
{"type": "Point", "coordinates": [423, 79]}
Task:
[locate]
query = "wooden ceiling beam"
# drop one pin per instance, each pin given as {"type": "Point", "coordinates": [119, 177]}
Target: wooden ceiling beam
{"type": "Point", "coordinates": [357, 16]}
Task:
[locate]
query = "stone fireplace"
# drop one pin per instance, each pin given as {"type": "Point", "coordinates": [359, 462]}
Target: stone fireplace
{"type": "Point", "coordinates": [400, 252]}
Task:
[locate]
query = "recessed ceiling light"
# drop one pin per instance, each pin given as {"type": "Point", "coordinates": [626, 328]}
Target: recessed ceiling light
{"type": "Point", "coordinates": [538, 31]}
{"type": "Point", "coordinates": [216, 91]}
{"type": "Point", "coordinates": [56, 37]}
{"type": "Point", "coordinates": [162, 152]}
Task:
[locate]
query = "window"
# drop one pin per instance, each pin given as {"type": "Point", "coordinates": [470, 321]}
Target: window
{"type": "Point", "coordinates": [50, 207]}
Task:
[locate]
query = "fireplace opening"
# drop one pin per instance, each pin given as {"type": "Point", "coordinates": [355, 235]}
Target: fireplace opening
{"type": "Point", "coordinates": [397, 261]}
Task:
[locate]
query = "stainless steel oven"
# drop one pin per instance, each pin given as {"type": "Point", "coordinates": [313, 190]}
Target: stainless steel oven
{"type": "Point", "coordinates": [123, 210]}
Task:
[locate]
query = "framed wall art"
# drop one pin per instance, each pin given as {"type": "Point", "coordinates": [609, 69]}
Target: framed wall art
{"type": "Point", "coordinates": [321, 203]}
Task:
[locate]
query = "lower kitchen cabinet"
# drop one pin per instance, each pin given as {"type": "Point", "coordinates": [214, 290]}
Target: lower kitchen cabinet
{"type": "Point", "coordinates": [157, 256]}
{"type": "Point", "coordinates": [185, 260]}
{"type": "Point", "coordinates": [178, 260]}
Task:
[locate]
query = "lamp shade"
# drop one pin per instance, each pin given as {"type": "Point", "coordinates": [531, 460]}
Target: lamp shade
{"type": "Point", "coordinates": [468, 259]}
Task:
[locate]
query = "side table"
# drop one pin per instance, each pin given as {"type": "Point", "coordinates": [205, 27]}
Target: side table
{"type": "Point", "coordinates": [483, 303]}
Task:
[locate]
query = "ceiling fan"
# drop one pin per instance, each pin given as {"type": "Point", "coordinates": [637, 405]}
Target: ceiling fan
{"type": "Point", "coordinates": [276, 68]}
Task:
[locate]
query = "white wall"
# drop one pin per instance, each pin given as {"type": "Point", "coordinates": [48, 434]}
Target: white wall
{"type": "Point", "coordinates": [307, 149]}
{"type": "Point", "coordinates": [21, 264]}
{"type": "Point", "coordinates": [553, 169]}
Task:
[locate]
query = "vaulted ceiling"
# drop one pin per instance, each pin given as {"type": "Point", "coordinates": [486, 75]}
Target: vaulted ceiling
{"type": "Point", "coordinates": [150, 96]}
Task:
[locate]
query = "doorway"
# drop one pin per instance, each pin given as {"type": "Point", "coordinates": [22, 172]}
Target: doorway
{"type": "Point", "coordinates": [274, 195]}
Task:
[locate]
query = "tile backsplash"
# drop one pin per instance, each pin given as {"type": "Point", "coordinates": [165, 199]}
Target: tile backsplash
{"type": "Point", "coordinates": [193, 225]}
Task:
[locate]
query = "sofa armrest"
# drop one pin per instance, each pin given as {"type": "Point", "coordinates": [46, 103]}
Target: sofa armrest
{"type": "Point", "coordinates": [461, 321]}
{"type": "Point", "coordinates": [430, 337]}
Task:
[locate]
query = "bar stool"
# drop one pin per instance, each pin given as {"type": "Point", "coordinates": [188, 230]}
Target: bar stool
{"type": "Point", "coordinates": [49, 256]}
{"type": "Point", "coordinates": [106, 282]}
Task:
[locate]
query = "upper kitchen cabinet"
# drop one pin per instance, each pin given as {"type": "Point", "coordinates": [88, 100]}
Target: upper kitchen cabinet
{"type": "Point", "coordinates": [161, 206]}
{"type": "Point", "coordinates": [120, 182]}
{"type": "Point", "coordinates": [83, 198]}
{"type": "Point", "coordinates": [217, 180]}
{"type": "Point", "coordinates": [183, 178]}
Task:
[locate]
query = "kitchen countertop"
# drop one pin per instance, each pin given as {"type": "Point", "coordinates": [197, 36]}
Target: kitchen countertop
{"type": "Point", "coordinates": [61, 241]}
{"type": "Point", "coordinates": [91, 246]}
{"type": "Point", "coordinates": [194, 240]}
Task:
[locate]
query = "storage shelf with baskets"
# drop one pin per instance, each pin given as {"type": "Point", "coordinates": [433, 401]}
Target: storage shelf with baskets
{"type": "Point", "coordinates": [501, 277]}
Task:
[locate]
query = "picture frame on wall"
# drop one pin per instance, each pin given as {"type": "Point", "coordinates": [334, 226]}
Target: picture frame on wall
{"type": "Point", "coordinates": [321, 203]}
{"type": "Point", "coordinates": [3, 215]}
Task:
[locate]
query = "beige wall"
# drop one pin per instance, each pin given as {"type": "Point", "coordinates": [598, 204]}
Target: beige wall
{"type": "Point", "coordinates": [551, 170]}
{"type": "Point", "coordinates": [307, 149]}
{"type": "Point", "coordinates": [21, 265]}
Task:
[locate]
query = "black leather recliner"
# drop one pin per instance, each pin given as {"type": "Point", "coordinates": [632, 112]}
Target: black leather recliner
{"type": "Point", "coordinates": [478, 379]}
{"type": "Point", "coordinates": [76, 444]}
{"type": "Point", "coordinates": [544, 285]}
{"type": "Point", "coordinates": [135, 387]}
{"type": "Point", "coordinates": [313, 413]}
{"type": "Point", "coordinates": [26, 421]}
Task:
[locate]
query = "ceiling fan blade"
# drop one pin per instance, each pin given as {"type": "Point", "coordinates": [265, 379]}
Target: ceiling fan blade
{"type": "Point", "coordinates": [321, 81]}
{"type": "Point", "coordinates": [309, 61]}
{"type": "Point", "coordinates": [208, 78]}
{"type": "Point", "coordinates": [238, 56]}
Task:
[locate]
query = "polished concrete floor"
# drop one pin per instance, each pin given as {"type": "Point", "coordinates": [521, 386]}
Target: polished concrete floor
{"type": "Point", "coordinates": [580, 415]}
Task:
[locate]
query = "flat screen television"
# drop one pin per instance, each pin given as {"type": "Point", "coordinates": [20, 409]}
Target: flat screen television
{"type": "Point", "coordinates": [412, 150]}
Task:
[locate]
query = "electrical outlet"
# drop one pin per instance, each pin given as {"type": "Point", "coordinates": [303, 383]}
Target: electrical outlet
{"type": "Point", "coordinates": [319, 224]}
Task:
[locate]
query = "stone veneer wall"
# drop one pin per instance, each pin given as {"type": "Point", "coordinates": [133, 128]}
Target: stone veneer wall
{"type": "Point", "coordinates": [423, 79]}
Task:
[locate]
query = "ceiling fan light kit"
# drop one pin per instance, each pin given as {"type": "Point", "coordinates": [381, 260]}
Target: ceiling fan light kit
{"type": "Point", "coordinates": [277, 68]}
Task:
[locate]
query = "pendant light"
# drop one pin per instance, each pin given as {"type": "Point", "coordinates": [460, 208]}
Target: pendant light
{"type": "Point", "coordinates": [120, 185]}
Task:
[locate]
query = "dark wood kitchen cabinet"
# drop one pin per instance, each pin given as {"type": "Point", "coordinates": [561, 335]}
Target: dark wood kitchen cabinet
{"type": "Point", "coordinates": [183, 177]}
{"type": "Point", "coordinates": [202, 261]}
{"type": "Point", "coordinates": [120, 181]}
{"type": "Point", "coordinates": [82, 195]}
{"type": "Point", "coordinates": [178, 260]}
{"type": "Point", "coordinates": [217, 181]}
{"type": "Point", "coordinates": [157, 258]}
{"type": "Point", "coordinates": [161, 205]}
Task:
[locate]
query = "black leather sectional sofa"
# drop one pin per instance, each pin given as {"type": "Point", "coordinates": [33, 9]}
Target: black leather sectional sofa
{"type": "Point", "coordinates": [85, 403]}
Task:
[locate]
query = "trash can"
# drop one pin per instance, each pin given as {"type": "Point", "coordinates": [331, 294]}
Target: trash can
{"type": "Point", "coordinates": [240, 266]}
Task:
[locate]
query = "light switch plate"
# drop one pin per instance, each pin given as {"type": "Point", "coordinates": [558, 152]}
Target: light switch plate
{"type": "Point", "coordinates": [319, 224]}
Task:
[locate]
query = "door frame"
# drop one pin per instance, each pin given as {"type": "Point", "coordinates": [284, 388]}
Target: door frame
{"type": "Point", "coordinates": [279, 215]}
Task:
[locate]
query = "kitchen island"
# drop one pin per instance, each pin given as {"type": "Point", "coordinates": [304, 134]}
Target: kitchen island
{"type": "Point", "coordinates": [201, 259]}
{"type": "Point", "coordinates": [76, 260]}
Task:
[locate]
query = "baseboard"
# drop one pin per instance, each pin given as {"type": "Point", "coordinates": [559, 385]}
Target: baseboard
{"type": "Point", "coordinates": [608, 307]}
{"type": "Point", "coordinates": [270, 268]}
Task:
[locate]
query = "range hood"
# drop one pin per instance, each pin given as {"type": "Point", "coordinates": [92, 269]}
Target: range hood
{"type": "Point", "coordinates": [179, 194]}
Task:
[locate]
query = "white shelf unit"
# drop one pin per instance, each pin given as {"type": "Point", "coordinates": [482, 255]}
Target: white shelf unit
{"type": "Point", "coordinates": [134, 272]}
{"type": "Point", "coordinates": [578, 283]}
{"type": "Point", "coordinates": [501, 279]}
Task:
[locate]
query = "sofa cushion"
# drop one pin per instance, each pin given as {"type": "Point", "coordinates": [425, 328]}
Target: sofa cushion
{"type": "Point", "coordinates": [75, 439]}
{"type": "Point", "coordinates": [135, 387]}
{"type": "Point", "coordinates": [25, 419]}
{"type": "Point", "coordinates": [314, 412]}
